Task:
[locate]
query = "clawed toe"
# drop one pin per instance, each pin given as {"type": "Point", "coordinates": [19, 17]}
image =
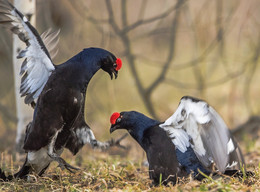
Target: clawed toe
{"type": "Point", "coordinates": [64, 165]}
{"type": "Point", "coordinates": [69, 167]}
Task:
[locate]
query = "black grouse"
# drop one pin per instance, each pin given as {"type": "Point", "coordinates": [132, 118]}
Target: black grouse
{"type": "Point", "coordinates": [59, 92]}
{"type": "Point", "coordinates": [194, 138]}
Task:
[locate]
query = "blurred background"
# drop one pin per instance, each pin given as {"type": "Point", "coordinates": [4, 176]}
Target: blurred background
{"type": "Point", "coordinates": [206, 49]}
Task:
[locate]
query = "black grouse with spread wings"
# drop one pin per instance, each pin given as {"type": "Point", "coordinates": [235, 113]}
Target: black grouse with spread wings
{"type": "Point", "coordinates": [194, 138]}
{"type": "Point", "coordinates": [59, 92]}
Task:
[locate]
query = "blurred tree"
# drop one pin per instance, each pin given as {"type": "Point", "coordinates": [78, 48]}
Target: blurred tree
{"type": "Point", "coordinates": [207, 49]}
{"type": "Point", "coordinates": [176, 15]}
{"type": "Point", "coordinates": [24, 112]}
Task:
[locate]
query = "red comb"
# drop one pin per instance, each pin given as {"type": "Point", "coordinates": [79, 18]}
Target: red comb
{"type": "Point", "coordinates": [114, 117]}
{"type": "Point", "coordinates": [119, 64]}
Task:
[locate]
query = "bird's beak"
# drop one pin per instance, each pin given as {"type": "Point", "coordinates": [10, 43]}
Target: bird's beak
{"type": "Point", "coordinates": [115, 72]}
{"type": "Point", "coordinates": [113, 128]}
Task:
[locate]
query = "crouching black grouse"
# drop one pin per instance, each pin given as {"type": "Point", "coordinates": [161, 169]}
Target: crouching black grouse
{"type": "Point", "coordinates": [194, 138]}
{"type": "Point", "coordinates": [60, 91]}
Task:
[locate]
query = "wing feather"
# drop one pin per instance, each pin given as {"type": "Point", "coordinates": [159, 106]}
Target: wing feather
{"type": "Point", "coordinates": [38, 65]}
{"type": "Point", "coordinates": [208, 134]}
{"type": "Point", "coordinates": [51, 40]}
{"type": "Point", "coordinates": [179, 138]}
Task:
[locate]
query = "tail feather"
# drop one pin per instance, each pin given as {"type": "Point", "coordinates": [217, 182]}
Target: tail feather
{"type": "Point", "coordinates": [21, 174]}
{"type": "Point", "coordinates": [238, 173]}
{"type": "Point", "coordinates": [3, 177]}
{"type": "Point", "coordinates": [231, 173]}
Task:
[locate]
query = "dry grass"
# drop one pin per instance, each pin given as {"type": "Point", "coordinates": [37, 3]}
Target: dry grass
{"type": "Point", "coordinates": [103, 172]}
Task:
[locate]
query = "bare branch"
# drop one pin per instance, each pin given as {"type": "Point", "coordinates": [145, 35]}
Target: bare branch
{"type": "Point", "coordinates": [142, 10]}
{"type": "Point", "coordinates": [179, 84]}
{"type": "Point", "coordinates": [124, 13]}
{"type": "Point", "coordinates": [157, 31]}
{"type": "Point", "coordinates": [220, 81]}
{"type": "Point", "coordinates": [227, 78]}
{"type": "Point", "coordinates": [171, 50]}
{"type": "Point", "coordinates": [96, 24]}
{"type": "Point", "coordinates": [152, 19]}
{"type": "Point", "coordinates": [112, 17]}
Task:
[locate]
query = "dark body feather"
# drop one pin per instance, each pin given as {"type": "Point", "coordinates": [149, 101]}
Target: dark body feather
{"type": "Point", "coordinates": [163, 163]}
{"type": "Point", "coordinates": [160, 151]}
{"type": "Point", "coordinates": [61, 103]}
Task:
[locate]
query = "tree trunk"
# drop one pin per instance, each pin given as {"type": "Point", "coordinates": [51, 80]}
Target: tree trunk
{"type": "Point", "coordinates": [24, 112]}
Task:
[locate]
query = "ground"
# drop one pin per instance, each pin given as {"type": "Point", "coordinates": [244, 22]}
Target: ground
{"type": "Point", "coordinates": [101, 171]}
{"type": "Point", "coordinates": [124, 170]}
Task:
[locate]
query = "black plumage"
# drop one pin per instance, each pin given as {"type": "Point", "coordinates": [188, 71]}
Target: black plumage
{"type": "Point", "coordinates": [163, 163]}
{"type": "Point", "coordinates": [59, 92]}
{"type": "Point", "coordinates": [160, 151]}
{"type": "Point", "coordinates": [170, 156]}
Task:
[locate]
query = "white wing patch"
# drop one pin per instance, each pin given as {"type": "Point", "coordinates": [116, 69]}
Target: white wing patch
{"type": "Point", "coordinates": [184, 119]}
{"type": "Point", "coordinates": [207, 132]}
{"type": "Point", "coordinates": [193, 131]}
{"type": "Point", "coordinates": [179, 138]}
{"type": "Point", "coordinates": [37, 66]}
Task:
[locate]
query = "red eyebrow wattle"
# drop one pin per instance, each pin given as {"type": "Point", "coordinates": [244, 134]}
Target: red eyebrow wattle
{"type": "Point", "coordinates": [119, 64]}
{"type": "Point", "coordinates": [114, 117]}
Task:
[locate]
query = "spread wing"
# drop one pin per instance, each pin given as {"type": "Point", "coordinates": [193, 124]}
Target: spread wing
{"type": "Point", "coordinates": [37, 65]}
{"type": "Point", "coordinates": [208, 134]}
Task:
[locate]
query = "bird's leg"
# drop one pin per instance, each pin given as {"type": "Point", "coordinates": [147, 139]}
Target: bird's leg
{"type": "Point", "coordinates": [117, 142]}
{"type": "Point", "coordinates": [55, 157]}
{"type": "Point", "coordinates": [105, 145]}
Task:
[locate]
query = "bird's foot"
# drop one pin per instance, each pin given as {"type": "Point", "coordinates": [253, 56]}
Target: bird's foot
{"type": "Point", "coordinates": [116, 143]}
{"type": "Point", "coordinates": [64, 165]}
{"type": "Point", "coordinates": [106, 145]}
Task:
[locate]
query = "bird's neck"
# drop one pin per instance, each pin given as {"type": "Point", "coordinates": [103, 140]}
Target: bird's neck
{"type": "Point", "coordinates": [82, 68]}
{"type": "Point", "coordinates": [141, 126]}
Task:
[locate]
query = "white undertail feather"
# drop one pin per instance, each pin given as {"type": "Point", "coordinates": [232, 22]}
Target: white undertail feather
{"type": "Point", "coordinates": [38, 160]}
{"type": "Point", "coordinates": [230, 146]}
{"type": "Point", "coordinates": [234, 163]}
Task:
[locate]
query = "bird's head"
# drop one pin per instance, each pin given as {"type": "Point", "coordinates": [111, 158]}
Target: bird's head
{"type": "Point", "coordinates": [134, 122]}
{"type": "Point", "coordinates": [97, 58]}
{"type": "Point", "coordinates": [110, 63]}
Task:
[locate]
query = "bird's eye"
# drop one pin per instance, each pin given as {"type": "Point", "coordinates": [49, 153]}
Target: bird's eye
{"type": "Point", "coordinates": [118, 120]}
{"type": "Point", "coordinates": [114, 65]}
{"type": "Point", "coordinates": [181, 121]}
{"type": "Point", "coordinates": [183, 112]}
